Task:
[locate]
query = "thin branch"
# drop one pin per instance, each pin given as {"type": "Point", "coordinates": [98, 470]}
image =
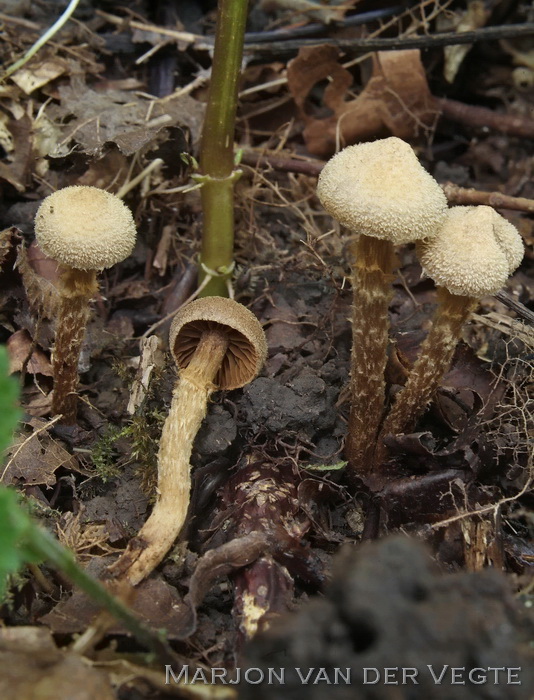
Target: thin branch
{"type": "Point", "coordinates": [498, 200]}
{"type": "Point", "coordinates": [427, 41]}
{"type": "Point", "coordinates": [487, 118]}
{"type": "Point", "coordinates": [455, 194]}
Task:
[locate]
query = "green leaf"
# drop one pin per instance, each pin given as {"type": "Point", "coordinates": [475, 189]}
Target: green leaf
{"type": "Point", "coordinates": [14, 522]}
{"type": "Point", "coordinates": [9, 412]}
{"type": "Point", "coordinates": [15, 532]}
{"type": "Point", "coordinates": [326, 467]}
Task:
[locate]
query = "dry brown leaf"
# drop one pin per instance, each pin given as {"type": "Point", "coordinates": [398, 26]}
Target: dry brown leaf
{"type": "Point", "coordinates": [33, 667]}
{"type": "Point", "coordinates": [40, 405]}
{"type": "Point", "coordinates": [107, 173]}
{"type": "Point", "coordinates": [129, 121]}
{"type": "Point", "coordinates": [16, 171]}
{"type": "Point", "coordinates": [396, 100]}
{"type": "Point", "coordinates": [39, 73]}
{"type": "Point", "coordinates": [19, 348]}
{"type": "Point", "coordinates": [35, 457]}
{"type": "Point", "coordinates": [39, 276]}
{"type": "Point", "coordinates": [156, 602]}
{"type": "Point", "coordinates": [9, 238]}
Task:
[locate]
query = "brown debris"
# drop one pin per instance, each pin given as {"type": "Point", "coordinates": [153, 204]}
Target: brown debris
{"type": "Point", "coordinates": [396, 101]}
{"type": "Point", "coordinates": [24, 356]}
{"type": "Point", "coordinates": [116, 116]}
{"type": "Point", "coordinates": [34, 458]}
{"type": "Point", "coordinates": [32, 666]}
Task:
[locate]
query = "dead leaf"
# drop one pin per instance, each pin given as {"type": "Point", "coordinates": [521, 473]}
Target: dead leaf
{"type": "Point", "coordinates": [106, 173]}
{"type": "Point", "coordinates": [39, 73]}
{"type": "Point", "coordinates": [34, 458]}
{"type": "Point", "coordinates": [396, 100]}
{"type": "Point", "coordinates": [40, 405]}
{"type": "Point", "coordinates": [129, 121]}
{"type": "Point", "coordinates": [39, 276]}
{"type": "Point", "coordinates": [9, 239]}
{"type": "Point", "coordinates": [16, 172]}
{"type": "Point", "coordinates": [33, 667]}
{"type": "Point", "coordinates": [156, 602]}
{"type": "Point", "coordinates": [19, 347]}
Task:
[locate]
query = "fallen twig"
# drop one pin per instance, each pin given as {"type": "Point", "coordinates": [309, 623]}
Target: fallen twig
{"type": "Point", "coordinates": [427, 41]}
{"type": "Point", "coordinates": [498, 200]}
{"type": "Point", "coordinates": [455, 194]}
{"type": "Point", "coordinates": [486, 118]}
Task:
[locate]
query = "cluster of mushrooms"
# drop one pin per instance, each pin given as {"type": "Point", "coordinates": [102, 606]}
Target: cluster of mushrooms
{"type": "Point", "coordinates": [378, 190]}
{"type": "Point", "coordinates": [216, 343]}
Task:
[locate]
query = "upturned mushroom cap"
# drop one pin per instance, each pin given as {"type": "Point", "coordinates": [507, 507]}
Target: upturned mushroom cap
{"type": "Point", "coordinates": [247, 347]}
{"type": "Point", "coordinates": [85, 228]}
{"type": "Point", "coordinates": [474, 253]}
{"type": "Point", "coordinates": [380, 189]}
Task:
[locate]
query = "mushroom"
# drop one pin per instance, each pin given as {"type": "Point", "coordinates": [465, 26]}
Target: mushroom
{"type": "Point", "coordinates": [85, 229]}
{"type": "Point", "coordinates": [217, 344]}
{"type": "Point", "coordinates": [381, 191]}
{"type": "Point", "coordinates": [472, 256]}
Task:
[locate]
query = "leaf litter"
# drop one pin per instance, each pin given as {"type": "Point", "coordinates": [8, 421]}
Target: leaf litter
{"type": "Point", "coordinates": [460, 482]}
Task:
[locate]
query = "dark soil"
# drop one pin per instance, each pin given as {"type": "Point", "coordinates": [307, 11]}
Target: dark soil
{"type": "Point", "coordinates": [388, 608]}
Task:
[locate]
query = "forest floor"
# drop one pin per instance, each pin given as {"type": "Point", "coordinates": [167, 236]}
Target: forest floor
{"type": "Point", "coordinates": [271, 506]}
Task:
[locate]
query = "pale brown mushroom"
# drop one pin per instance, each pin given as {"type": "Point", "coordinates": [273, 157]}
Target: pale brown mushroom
{"type": "Point", "coordinates": [380, 191]}
{"type": "Point", "coordinates": [217, 344]}
{"type": "Point", "coordinates": [85, 229]}
{"type": "Point", "coordinates": [471, 257]}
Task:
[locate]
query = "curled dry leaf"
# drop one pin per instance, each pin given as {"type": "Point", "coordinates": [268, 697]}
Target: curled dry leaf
{"type": "Point", "coordinates": [396, 101]}
{"type": "Point", "coordinates": [22, 353]}
{"type": "Point", "coordinates": [39, 276]}
{"type": "Point", "coordinates": [9, 238]}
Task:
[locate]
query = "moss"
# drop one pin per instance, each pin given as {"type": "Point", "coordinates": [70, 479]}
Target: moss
{"type": "Point", "coordinates": [104, 454]}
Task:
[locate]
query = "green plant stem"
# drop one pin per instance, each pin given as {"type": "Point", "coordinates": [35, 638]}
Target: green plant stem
{"type": "Point", "coordinates": [42, 545]}
{"type": "Point", "coordinates": [217, 151]}
{"type": "Point", "coordinates": [69, 10]}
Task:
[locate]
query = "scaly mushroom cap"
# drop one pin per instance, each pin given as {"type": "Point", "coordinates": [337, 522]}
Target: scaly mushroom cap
{"type": "Point", "coordinates": [247, 347]}
{"type": "Point", "coordinates": [85, 228]}
{"type": "Point", "coordinates": [474, 253]}
{"type": "Point", "coordinates": [380, 189]}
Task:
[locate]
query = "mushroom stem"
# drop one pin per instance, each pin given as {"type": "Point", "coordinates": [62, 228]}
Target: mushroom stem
{"type": "Point", "coordinates": [76, 288]}
{"type": "Point", "coordinates": [187, 411]}
{"type": "Point", "coordinates": [433, 361]}
{"type": "Point", "coordinates": [372, 291]}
